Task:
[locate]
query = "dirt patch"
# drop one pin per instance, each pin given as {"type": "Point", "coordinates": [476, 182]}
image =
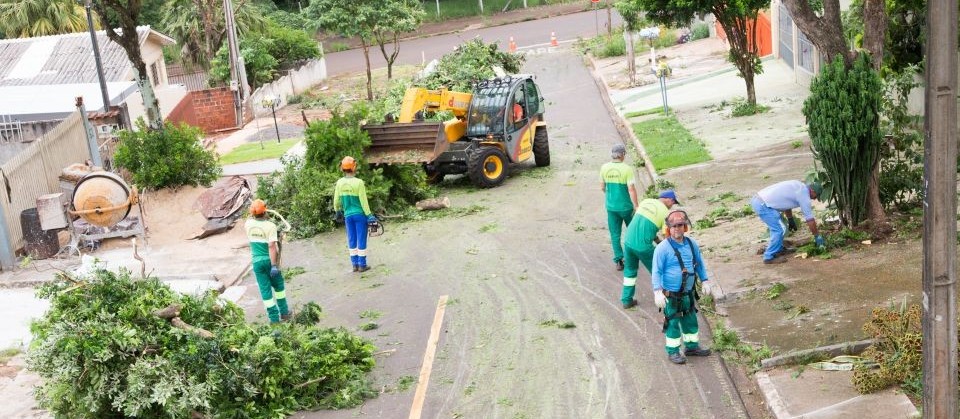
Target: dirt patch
{"type": "Point", "coordinates": [8, 371]}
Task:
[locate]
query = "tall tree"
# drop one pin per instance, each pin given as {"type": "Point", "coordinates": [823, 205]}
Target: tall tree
{"type": "Point", "coordinates": [632, 21]}
{"type": "Point", "coordinates": [349, 19]}
{"type": "Point", "coordinates": [396, 17]}
{"type": "Point", "coordinates": [199, 26]}
{"type": "Point", "coordinates": [119, 19]}
{"type": "Point", "coordinates": [29, 18]}
{"type": "Point", "coordinates": [825, 30]}
{"type": "Point", "coordinates": [738, 19]}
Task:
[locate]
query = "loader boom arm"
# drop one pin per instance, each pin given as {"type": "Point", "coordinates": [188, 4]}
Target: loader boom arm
{"type": "Point", "coordinates": [417, 99]}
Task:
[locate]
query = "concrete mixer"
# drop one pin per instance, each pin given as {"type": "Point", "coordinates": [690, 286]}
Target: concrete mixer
{"type": "Point", "coordinates": [104, 199]}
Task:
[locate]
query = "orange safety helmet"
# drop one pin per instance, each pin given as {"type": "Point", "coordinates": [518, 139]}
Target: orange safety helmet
{"type": "Point", "coordinates": [258, 207]}
{"type": "Point", "coordinates": [348, 164]}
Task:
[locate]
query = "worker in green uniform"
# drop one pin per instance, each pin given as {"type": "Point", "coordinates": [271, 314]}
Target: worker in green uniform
{"type": "Point", "coordinates": [262, 234]}
{"type": "Point", "coordinates": [641, 238]}
{"type": "Point", "coordinates": [620, 190]}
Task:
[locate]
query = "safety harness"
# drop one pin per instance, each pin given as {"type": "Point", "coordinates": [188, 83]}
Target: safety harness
{"type": "Point", "coordinates": [676, 297]}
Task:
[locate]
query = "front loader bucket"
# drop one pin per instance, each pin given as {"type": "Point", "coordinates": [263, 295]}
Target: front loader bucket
{"type": "Point", "coordinates": [411, 142]}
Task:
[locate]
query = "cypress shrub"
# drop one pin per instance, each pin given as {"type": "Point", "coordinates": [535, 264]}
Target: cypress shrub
{"type": "Point", "coordinates": [842, 118]}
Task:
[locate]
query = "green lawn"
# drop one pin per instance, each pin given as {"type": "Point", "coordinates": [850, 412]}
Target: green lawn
{"type": "Point", "coordinates": [669, 144]}
{"type": "Point", "coordinates": [462, 8]}
{"type": "Point", "coordinates": [645, 112]}
{"type": "Point", "coordinates": [254, 151]}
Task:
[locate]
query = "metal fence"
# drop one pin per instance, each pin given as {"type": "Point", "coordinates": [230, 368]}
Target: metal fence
{"type": "Point", "coordinates": [36, 171]}
{"type": "Point", "coordinates": [11, 130]}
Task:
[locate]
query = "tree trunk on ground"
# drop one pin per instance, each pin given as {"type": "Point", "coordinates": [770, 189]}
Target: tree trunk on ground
{"type": "Point", "coordinates": [631, 57]}
{"type": "Point", "coordinates": [392, 57]}
{"type": "Point", "coordinates": [874, 34]}
{"type": "Point", "coordinates": [366, 56]}
{"type": "Point", "coordinates": [825, 32]}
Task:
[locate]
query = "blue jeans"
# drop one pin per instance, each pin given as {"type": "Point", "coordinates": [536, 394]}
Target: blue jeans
{"type": "Point", "coordinates": [771, 218]}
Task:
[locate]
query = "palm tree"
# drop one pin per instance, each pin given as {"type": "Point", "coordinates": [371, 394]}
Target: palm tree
{"type": "Point", "coordinates": [198, 25]}
{"type": "Point", "coordinates": [28, 18]}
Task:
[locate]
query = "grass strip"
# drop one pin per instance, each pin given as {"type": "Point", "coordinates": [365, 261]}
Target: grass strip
{"type": "Point", "coordinates": [254, 151]}
{"type": "Point", "coordinates": [669, 144]}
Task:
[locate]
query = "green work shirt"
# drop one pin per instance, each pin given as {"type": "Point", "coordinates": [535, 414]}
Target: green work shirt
{"type": "Point", "coordinates": [646, 223]}
{"type": "Point", "coordinates": [617, 176]}
{"type": "Point", "coordinates": [350, 196]}
{"type": "Point", "coordinates": [260, 233]}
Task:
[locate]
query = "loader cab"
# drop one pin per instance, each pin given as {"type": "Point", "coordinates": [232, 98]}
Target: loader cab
{"type": "Point", "coordinates": [486, 114]}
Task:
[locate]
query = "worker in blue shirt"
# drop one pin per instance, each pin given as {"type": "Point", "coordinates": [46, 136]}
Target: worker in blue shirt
{"type": "Point", "coordinates": [784, 197]}
{"type": "Point", "coordinates": [677, 263]}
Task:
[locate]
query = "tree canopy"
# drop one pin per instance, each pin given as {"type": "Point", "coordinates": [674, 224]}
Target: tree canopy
{"type": "Point", "coordinates": [737, 17]}
{"type": "Point", "coordinates": [29, 18]}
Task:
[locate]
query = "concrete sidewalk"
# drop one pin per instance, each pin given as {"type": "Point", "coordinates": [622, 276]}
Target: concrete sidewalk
{"type": "Point", "coordinates": [789, 392]}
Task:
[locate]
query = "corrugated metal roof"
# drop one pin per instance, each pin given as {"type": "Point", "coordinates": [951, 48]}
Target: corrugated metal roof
{"type": "Point", "coordinates": [71, 61]}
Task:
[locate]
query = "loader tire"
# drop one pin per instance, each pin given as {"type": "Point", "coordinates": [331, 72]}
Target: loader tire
{"type": "Point", "coordinates": [487, 167]}
{"type": "Point", "coordinates": [541, 147]}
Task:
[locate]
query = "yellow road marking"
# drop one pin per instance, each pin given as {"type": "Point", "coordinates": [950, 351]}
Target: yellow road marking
{"type": "Point", "coordinates": [417, 409]}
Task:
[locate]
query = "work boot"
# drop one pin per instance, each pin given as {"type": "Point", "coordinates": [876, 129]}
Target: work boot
{"type": "Point", "coordinates": [787, 251]}
{"type": "Point", "coordinates": [630, 304]}
{"type": "Point", "coordinates": [363, 268]}
{"type": "Point", "coordinates": [619, 265]}
{"type": "Point", "coordinates": [677, 358]}
{"type": "Point", "coordinates": [356, 268]}
{"type": "Point", "coordinates": [698, 351]}
{"type": "Point", "coordinates": [286, 317]}
{"type": "Point", "coordinates": [774, 261]}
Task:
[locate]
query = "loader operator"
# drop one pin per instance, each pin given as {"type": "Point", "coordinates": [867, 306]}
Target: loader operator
{"type": "Point", "coordinates": [350, 203]}
{"type": "Point", "coordinates": [262, 234]}
{"type": "Point", "coordinates": [785, 196]}
{"type": "Point", "coordinates": [640, 239]}
{"type": "Point", "coordinates": [620, 191]}
{"type": "Point", "coordinates": [676, 266]}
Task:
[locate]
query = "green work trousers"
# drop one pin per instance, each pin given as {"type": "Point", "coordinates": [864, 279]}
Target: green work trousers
{"type": "Point", "coordinates": [615, 222]}
{"type": "Point", "coordinates": [681, 329]}
{"type": "Point", "coordinates": [631, 266]}
{"type": "Point", "coordinates": [271, 290]}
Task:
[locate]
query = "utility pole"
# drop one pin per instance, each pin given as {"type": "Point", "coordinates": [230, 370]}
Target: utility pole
{"type": "Point", "coordinates": [96, 57]}
{"type": "Point", "coordinates": [940, 214]}
{"type": "Point", "coordinates": [235, 80]}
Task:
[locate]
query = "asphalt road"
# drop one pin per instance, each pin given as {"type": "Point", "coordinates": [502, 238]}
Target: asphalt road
{"type": "Point", "coordinates": [532, 255]}
{"type": "Point", "coordinates": [525, 34]}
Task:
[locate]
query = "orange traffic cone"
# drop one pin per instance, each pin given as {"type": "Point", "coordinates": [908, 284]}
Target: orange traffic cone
{"type": "Point", "coordinates": [553, 39]}
{"type": "Point", "coordinates": [512, 45]}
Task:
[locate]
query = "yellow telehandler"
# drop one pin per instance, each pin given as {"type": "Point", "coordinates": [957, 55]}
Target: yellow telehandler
{"type": "Point", "coordinates": [499, 123]}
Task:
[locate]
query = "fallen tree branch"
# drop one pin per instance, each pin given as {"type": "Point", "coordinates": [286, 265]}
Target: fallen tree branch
{"type": "Point", "coordinates": [169, 312]}
{"type": "Point", "coordinates": [313, 381]}
{"type": "Point", "coordinates": [180, 324]}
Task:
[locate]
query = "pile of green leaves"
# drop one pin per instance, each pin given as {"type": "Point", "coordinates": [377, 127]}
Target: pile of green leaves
{"type": "Point", "coordinates": [303, 192]}
{"type": "Point", "coordinates": [166, 158]}
{"type": "Point", "coordinates": [470, 62]}
{"type": "Point", "coordinates": [897, 350]}
{"type": "Point", "coordinates": [102, 353]}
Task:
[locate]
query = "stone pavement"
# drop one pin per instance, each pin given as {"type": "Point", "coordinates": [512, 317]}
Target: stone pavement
{"type": "Point", "coordinates": [788, 394]}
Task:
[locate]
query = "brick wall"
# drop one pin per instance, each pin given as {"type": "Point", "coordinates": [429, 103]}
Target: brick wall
{"type": "Point", "coordinates": [210, 109]}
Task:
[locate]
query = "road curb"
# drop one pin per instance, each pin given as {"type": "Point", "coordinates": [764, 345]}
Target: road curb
{"type": "Point", "coordinates": [723, 363]}
{"type": "Point", "coordinates": [775, 403]}
{"type": "Point", "coordinates": [623, 126]}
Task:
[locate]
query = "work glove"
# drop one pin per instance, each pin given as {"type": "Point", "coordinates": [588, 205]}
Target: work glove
{"type": "Point", "coordinates": [659, 299]}
{"type": "Point", "coordinates": [819, 241]}
{"type": "Point", "coordinates": [792, 224]}
{"type": "Point", "coordinates": [338, 217]}
{"type": "Point", "coordinates": [372, 219]}
{"type": "Point", "coordinates": [707, 288]}
{"type": "Point", "coordinates": [274, 272]}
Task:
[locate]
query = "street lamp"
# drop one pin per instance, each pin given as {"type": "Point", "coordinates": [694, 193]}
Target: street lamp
{"type": "Point", "coordinates": [96, 57]}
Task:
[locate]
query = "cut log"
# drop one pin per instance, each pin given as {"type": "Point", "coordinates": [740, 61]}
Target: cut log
{"type": "Point", "coordinates": [433, 204]}
{"type": "Point", "coordinates": [171, 311]}
{"type": "Point", "coordinates": [180, 324]}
